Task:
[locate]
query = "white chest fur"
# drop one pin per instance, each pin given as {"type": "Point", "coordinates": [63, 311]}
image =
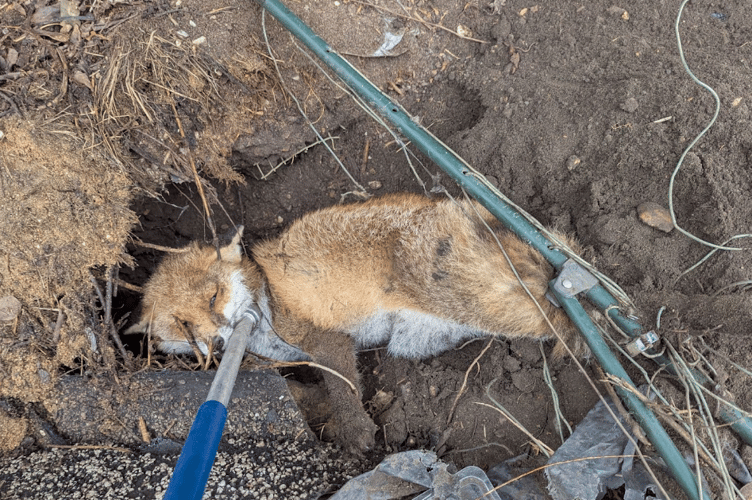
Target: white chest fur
{"type": "Point", "coordinates": [412, 334]}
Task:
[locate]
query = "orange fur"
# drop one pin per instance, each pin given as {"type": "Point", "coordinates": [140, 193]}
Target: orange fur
{"type": "Point", "coordinates": [418, 275]}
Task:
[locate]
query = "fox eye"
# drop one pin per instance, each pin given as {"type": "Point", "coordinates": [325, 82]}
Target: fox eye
{"type": "Point", "coordinates": [213, 299]}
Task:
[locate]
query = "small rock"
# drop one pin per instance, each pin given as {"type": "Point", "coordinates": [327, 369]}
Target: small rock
{"type": "Point", "coordinates": [464, 31]}
{"type": "Point", "coordinates": [12, 57]}
{"type": "Point", "coordinates": [654, 215]}
{"type": "Point", "coordinates": [573, 162]}
{"type": "Point", "coordinates": [280, 220]}
{"type": "Point", "coordinates": [747, 491]}
{"type": "Point", "coordinates": [45, 15]}
{"type": "Point", "coordinates": [526, 351]}
{"type": "Point", "coordinates": [9, 308]}
{"type": "Point", "coordinates": [616, 11]}
{"type": "Point", "coordinates": [630, 105]}
{"type": "Point", "coordinates": [374, 184]}
{"type": "Point", "coordinates": [394, 419]}
{"type": "Point", "coordinates": [81, 78]}
{"type": "Point", "coordinates": [502, 29]}
{"type": "Point", "coordinates": [610, 229]}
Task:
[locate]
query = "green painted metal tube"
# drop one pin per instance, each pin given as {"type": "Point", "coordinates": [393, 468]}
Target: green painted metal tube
{"type": "Point", "coordinates": [453, 166]}
{"type": "Point", "coordinates": [740, 423]}
{"type": "Point", "coordinates": [644, 417]}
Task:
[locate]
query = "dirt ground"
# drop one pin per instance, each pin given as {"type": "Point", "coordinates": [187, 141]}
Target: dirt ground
{"type": "Point", "coordinates": [578, 111]}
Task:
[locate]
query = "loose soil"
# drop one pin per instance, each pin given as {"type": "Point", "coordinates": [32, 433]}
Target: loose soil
{"type": "Point", "coordinates": [577, 111]}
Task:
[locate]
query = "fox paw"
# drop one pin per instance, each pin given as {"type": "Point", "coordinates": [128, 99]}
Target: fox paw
{"type": "Point", "coordinates": [355, 433]}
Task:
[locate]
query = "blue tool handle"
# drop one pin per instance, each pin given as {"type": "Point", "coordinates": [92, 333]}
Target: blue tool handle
{"type": "Point", "coordinates": [192, 470]}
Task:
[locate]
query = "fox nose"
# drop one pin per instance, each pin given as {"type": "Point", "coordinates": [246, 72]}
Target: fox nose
{"type": "Point", "coordinates": [218, 343]}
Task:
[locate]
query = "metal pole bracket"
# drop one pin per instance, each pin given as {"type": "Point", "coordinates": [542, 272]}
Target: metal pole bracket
{"type": "Point", "coordinates": [571, 280]}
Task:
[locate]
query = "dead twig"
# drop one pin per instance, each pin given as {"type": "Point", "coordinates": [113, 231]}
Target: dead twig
{"type": "Point", "coordinates": [12, 104]}
{"type": "Point", "coordinates": [123, 284]}
{"type": "Point", "coordinates": [160, 248]}
{"type": "Point", "coordinates": [464, 382]}
{"type": "Point", "coordinates": [284, 364]}
{"type": "Point", "coordinates": [188, 334]}
{"type": "Point", "coordinates": [197, 179]}
{"type": "Point", "coordinates": [543, 447]}
{"type": "Point", "coordinates": [639, 434]}
{"type": "Point", "coordinates": [89, 447]}
{"type": "Point", "coordinates": [291, 159]}
{"type": "Point", "coordinates": [107, 323]}
{"type": "Point", "coordinates": [210, 354]}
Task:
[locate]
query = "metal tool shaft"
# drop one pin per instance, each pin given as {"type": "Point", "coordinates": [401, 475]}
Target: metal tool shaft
{"type": "Point", "coordinates": [195, 462]}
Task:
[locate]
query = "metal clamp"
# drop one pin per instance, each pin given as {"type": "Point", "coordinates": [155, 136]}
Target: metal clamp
{"type": "Point", "coordinates": [254, 314]}
{"type": "Point", "coordinates": [571, 280]}
{"type": "Point", "coordinates": [642, 343]}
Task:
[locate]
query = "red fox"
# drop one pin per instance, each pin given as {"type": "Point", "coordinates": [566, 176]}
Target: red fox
{"type": "Point", "coordinates": [416, 275]}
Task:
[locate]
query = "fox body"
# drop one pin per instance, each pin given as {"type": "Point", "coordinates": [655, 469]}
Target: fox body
{"type": "Point", "coordinates": [416, 275]}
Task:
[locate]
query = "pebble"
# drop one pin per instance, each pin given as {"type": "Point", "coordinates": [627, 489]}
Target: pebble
{"type": "Point", "coordinates": [747, 491]}
{"type": "Point", "coordinates": [573, 162]}
{"type": "Point", "coordinates": [9, 308]}
{"type": "Point", "coordinates": [654, 215]}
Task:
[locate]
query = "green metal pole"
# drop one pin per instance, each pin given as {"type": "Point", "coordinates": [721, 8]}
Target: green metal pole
{"type": "Point", "coordinates": [644, 417]}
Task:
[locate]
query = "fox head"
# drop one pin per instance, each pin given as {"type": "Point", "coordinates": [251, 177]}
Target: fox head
{"type": "Point", "coordinates": [196, 296]}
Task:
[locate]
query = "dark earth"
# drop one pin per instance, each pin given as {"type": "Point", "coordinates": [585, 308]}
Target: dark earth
{"type": "Point", "coordinates": [577, 111]}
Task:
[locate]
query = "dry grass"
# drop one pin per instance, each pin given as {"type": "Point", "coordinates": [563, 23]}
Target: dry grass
{"type": "Point", "coordinates": [147, 78]}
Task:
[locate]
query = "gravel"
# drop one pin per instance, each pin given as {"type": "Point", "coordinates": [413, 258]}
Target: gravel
{"type": "Point", "coordinates": [290, 470]}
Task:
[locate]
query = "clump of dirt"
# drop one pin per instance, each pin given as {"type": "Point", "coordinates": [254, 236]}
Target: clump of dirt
{"type": "Point", "coordinates": [65, 213]}
{"type": "Point", "coordinates": [12, 431]}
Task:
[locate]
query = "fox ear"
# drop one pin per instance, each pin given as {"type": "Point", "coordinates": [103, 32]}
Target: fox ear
{"type": "Point", "coordinates": [140, 327]}
{"type": "Point", "coordinates": [232, 252]}
{"type": "Point", "coordinates": [159, 329]}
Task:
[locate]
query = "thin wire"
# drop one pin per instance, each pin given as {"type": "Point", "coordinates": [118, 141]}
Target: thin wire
{"type": "Point", "coordinates": [694, 141]}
